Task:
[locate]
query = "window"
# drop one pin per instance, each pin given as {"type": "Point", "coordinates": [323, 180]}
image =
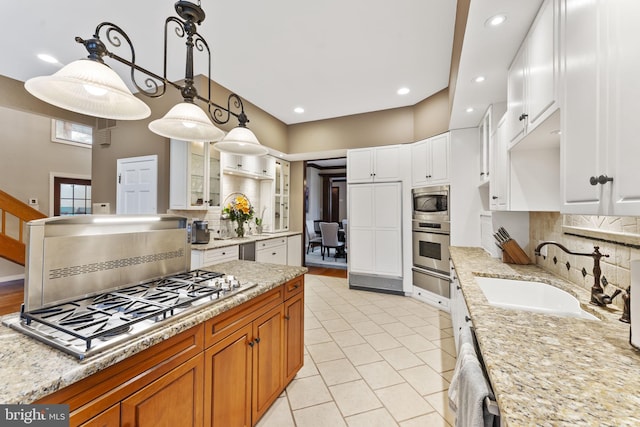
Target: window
{"type": "Point", "coordinates": [71, 133]}
{"type": "Point", "coordinates": [71, 196]}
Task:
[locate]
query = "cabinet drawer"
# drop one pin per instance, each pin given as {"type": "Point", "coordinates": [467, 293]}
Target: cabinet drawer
{"type": "Point", "coordinates": [293, 287]}
{"type": "Point", "coordinates": [226, 323]}
{"type": "Point", "coordinates": [216, 256]}
{"type": "Point", "coordinates": [271, 243]}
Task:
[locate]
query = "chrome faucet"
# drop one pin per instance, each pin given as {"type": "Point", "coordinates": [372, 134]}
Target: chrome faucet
{"type": "Point", "coordinates": [598, 297]}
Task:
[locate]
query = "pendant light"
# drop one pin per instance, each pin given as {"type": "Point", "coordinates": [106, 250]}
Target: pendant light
{"type": "Point", "coordinates": [91, 87]}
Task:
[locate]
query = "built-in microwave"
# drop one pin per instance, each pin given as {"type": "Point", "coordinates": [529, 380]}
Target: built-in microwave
{"type": "Point", "coordinates": [431, 203]}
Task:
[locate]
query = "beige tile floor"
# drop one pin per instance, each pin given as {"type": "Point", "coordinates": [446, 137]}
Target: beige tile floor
{"type": "Point", "coordinates": [371, 360]}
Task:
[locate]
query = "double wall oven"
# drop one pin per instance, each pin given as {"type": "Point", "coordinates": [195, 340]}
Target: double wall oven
{"type": "Point", "coordinates": [430, 233]}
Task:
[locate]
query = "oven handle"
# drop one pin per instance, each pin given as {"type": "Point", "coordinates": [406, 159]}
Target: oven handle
{"type": "Point", "coordinates": [431, 273]}
{"type": "Point", "coordinates": [431, 231]}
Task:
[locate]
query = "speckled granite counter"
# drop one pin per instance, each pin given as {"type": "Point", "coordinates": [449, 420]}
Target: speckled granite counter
{"type": "Point", "coordinates": [222, 243]}
{"type": "Point", "coordinates": [548, 370]}
{"type": "Point", "coordinates": [31, 369]}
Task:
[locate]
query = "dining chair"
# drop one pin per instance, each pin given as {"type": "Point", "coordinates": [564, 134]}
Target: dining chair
{"type": "Point", "coordinates": [330, 239]}
{"type": "Point", "coordinates": [312, 238]}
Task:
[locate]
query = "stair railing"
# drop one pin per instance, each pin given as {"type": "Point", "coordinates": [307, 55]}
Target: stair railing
{"type": "Point", "coordinates": [13, 248]}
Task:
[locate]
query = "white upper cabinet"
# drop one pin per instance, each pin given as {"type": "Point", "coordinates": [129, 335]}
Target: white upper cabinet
{"type": "Point", "coordinates": [601, 101]}
{"type": "Point", "coordinates": [498, 186]}
{"type": "Point", "coordinates": [485, 143]}
{"type": "Point", "coordinates": [378, 164]}
{"type": "Point", "coordinates": [533, 78]}
{"type": "Point", "coordinates": [259, 167]}
{"type": "Point", "coordinates": [430, 161]}
{"type": "Point", "coordinates": [194, 175]}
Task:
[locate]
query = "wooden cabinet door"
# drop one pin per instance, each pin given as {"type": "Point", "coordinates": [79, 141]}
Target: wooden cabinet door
{"type": "Point", "coordinates": [293, 336]}
{"type": "Point", "coordinates": [267, 360]}
{"type": "Point", "coordinates": [228, 365]}
{"type": "Point", "coordinates": [175, 399]}
{"type": "Point", "coordinates": [107, 418]}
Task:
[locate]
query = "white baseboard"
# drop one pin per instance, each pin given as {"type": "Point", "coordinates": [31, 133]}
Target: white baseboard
{"type": "Point", "coordinates": [4, 279]}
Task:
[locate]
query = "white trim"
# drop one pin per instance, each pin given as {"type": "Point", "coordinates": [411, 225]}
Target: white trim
{"type": "Point", "coordinates": [55, 139]}
{"type": "Point", "coordinates": [4, 279]}
{"type": "Point", "coordinates": [53, 176]}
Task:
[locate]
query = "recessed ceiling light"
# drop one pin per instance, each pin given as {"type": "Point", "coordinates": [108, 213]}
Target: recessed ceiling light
{"type": "Point", "coordinates": [403, 91]}
{"type": "Point", "coordinates": [479, 79]}
{"type": "Point", "coordinates": [47, 58]}
{"type": "Point", "coordinates": [299, 110]}
{"type": "Point", "coordinates": [469, 110]}
{"type": "Point", "coordinates": [495, 20]}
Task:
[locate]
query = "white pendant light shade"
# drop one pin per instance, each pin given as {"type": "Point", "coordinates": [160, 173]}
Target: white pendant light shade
{"type": "Point", "coordinates": [241, 141]}
{"type": "Point", "coordinates": [89, 87]}
{"type": "Point", "coordinates": [188, 122]}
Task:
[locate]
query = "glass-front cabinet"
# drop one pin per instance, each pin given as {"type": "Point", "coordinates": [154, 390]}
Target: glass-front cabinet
{"type": "Point", "coordinates": [194, 175]}
{"type": "Point", "coordinates": [281, 196]}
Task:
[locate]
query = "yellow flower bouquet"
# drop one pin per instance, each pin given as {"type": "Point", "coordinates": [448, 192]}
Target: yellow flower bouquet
{"type": "Point", "coordinates": [239, 210]}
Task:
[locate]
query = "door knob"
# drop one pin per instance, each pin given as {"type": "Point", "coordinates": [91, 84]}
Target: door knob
{"type": "Point", "coordinates": [602, 179]}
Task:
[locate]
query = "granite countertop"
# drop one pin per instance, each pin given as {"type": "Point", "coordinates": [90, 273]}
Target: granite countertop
{"type": "Point", "coordinates": [31, 369]}
{"type": "Point", "coordinates": [547, 370]}
{"type": "Point", "coordinates": [223, 243]}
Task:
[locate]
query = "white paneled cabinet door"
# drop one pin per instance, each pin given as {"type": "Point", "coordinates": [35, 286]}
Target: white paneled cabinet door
{"type": "Point", "coordinates": [582, 150]}
{"type": "Point", "coordinates": [386, 164]}
{"type": "Point", "coordinates": [624, 90]}
{"type": "Point", "coordinates": [430, 161]}
{"type": "Point", "coordinates": [499, 169]}
{"type": "Point", "coordinates": [542, 65]}
{"type": "Point", "coordinates": [516, 118]}
{"type": "Point", "coordinates": [375, 235]}
{"type": "Point", "coordinates": [439, 159]}
{"type": "Point", "coordinates": [360, 165]}
{"type": "Point", "coordinates": [419, 158]}
{"type": "Point", "coordinates": [361, 224]}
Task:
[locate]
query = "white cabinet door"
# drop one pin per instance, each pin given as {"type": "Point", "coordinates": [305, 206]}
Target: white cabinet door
{"type": "Point", "coordinates": [542, 65]}
{"type": "Point", "coordinates": [375, 232]}
{"type": "Point", "coordinates": [194, 181]}
{"type": "Point", "coordinates": [360, 165]}
{"type": "Point", "coordinates": [499, 169]}
{"type": "Point", "coordinates": [516, 119]}
{"type": "Point", "coordinates": [624, 89]}
{"type": "Point", "coordinates": [430, 161]}
{"type": "Point", "coordinates": [379, 164]}
{"type": "Point", "coordinates": [582, 151]}
{"type": "Point", "coordinates": [439, 173]}
{"type": "Point", "coordinates": [294, 250]}
{"type": "Point", "coordinates": [272, 251]}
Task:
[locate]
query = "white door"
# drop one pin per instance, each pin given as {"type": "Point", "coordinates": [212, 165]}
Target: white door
{"type": "Point", "coordinates": [137, 185]}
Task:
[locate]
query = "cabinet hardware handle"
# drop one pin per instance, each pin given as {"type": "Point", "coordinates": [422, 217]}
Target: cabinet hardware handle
{"type": "Point", "coordinates": [494, 197]}
{"type": "Point", "coordinates": [257, 340]}
{"type": "Point", "coordinates": [286, 318]}
{"type": "Point", "coordinates": [251, 343]}
{"type": "Point", "coordinates": [602, 179]}
{"type": "Point", "coordinates": [296, 286]}
{"type": "Point", "coordinates": [523, 116]}
{"type": "Point", "coordinates": [458, 287]}
{"type": "Point", "coordinates": [481, 173]}
{"type": "Point", "coordinates": [273, 253]}
{"type": "Point", "coordinates": [467, 318]}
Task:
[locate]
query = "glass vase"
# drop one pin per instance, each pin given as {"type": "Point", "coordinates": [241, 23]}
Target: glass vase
{"type": "Point", "coordinates": [240, 228]}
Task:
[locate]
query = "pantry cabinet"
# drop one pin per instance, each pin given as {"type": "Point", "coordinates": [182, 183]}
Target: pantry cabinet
{"type": "Point", "coordinates": [534, 76]}
{"type": "Point", "coordinates": [194, 175]}
{"type": "Point", "coordinates": [430, 161]}
{"type": "Point", "coordinates": [601, 98]}
{"type": "Point", "coordinates": [378, 164]}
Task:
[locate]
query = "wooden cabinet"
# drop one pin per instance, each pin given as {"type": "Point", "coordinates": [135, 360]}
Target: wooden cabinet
{"type": "Point", "coordinates": [601, 97]}
{"type": "Point", "coordinates": [107, 418]}
{"type": "Point", "coordinates": [293, 336]}
{"type": "Point", "coordinates": [201, 258]}
{"type": "Point", "coordinates": [533, 78]}
{"type": "Point", "coordinates": [175, 399]}
{"type": "Point", "coordinates": [430, 161]}
{"type": "Point", "coordinates": [379, 164]}
{"type": "Point", "coordinates": [194, 169]}
{"type": "Point", "coordinates": [273, 251]}
{"type": "Point", "coordinates": [375, 232]}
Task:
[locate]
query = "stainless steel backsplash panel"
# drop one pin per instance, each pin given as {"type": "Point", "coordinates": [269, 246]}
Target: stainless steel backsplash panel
{"type": "Point", "coordinates": [80, 256]}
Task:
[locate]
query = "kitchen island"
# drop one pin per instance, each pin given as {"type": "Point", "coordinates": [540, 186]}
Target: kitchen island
{"type": "Point", "coordinates": [193, 349]}
{"type": "Point", "coordinates": [547, 370]}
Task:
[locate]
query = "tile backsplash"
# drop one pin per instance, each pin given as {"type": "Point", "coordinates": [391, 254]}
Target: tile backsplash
{"type": "Point", "coordinates": [603, 231]}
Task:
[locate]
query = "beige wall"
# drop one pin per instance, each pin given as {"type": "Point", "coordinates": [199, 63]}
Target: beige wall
{"type": "Point", "coordinates": [431, 116]}
{"type": "Point", "coordinates": [28, 156]}
{"type": "Point", "coordinates": [547, 226]}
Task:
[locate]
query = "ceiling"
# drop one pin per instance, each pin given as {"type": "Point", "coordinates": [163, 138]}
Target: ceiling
{"type": "Point", "coordinates": [333, 58]}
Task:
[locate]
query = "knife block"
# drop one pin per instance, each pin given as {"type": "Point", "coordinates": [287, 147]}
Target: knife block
{"type": "Point", "coordinates": [512, 253]}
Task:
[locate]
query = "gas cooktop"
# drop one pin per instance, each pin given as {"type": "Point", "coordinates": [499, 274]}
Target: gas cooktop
{"type": "Point", "coordinates": [87, 326]}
